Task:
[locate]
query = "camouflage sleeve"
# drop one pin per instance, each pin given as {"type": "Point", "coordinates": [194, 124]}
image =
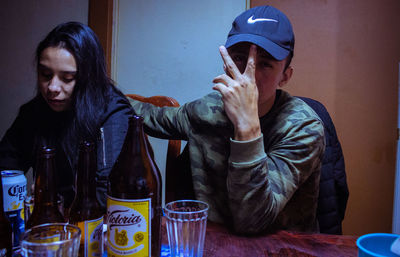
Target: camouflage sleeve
{"type": "Point", "coordinates": [203, 114]}
{"type": "Point", "coordinates": [165, 122]}
{"type": "Point", "coordinates": [261, 181]}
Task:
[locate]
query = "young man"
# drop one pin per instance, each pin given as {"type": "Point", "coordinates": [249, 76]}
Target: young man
{"type": "Point", "coordinates": [255, 151]}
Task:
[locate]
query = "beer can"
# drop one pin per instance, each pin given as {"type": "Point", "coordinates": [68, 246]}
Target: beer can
{"type": "Point", "coordinates": [14, 193]}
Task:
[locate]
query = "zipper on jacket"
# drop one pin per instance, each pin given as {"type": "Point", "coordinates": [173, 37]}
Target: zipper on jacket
{"type": "Point", "coordinates": [103, 145]}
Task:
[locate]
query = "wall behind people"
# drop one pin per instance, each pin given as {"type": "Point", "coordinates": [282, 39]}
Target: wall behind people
{"type": "Point", "coordinates": [346, 56]}
{"type": "Point", "coordinates": [23, 24]}
{"type": "Point", "coordinates": [170, 48]}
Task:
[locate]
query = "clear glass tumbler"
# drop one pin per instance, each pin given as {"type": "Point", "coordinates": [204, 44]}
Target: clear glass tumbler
{"type": "Point", "coordinates": [52, 240]}
{"type": "Point", "coordinates": [186, 227]}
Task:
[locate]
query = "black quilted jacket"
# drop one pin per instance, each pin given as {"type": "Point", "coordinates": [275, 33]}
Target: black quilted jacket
{"type": "Point", "coordinates": [333, 191]}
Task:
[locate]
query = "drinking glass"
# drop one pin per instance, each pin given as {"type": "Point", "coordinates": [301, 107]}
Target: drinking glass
{"type": "Point", "coordinates": [51, 240]}
{"type": "Point", "coordinates": [186, 227]}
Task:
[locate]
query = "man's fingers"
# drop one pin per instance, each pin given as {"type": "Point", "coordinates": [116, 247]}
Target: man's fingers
{"type": "Point", "coordinates": [251, 62]}
{"type": "Point", "coordinates": [220, 87]}
{"type": "Point", "coordinates": [231, 67]}
{"type": "Point", "coordinates": [225, 79]}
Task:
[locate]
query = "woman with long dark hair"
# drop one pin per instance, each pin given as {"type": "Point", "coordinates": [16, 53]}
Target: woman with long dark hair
{"type": "Point", "coordinates": [75, 100]}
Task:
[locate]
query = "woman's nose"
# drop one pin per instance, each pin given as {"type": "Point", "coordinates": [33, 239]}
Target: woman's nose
{"type": "Point", "coordinates": [55, 85]}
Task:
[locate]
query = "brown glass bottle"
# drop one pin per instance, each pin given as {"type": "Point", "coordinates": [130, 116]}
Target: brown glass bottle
{"type": "Point", "coordinates": [6, 236]}
{"type": "Point", "coordinates": [45, 208]}
{"type": "Point", "coordinates": [134, 198]}
{"type": "Point", "coordinates": [85, 210]}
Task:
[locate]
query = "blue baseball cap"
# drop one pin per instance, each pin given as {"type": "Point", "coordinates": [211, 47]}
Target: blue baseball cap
{"type": "Point", "coordinates": [266, 27]}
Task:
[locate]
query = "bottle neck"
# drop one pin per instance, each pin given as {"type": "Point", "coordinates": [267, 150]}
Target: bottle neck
{"type": "Point", "coordinates": [86, 174]}
{"type": "Point", "coordinates": [45, 183]}
{"type": "Point", "coordinates": [129, 177]}
{"type": "Point", "coordinates": [135, 139]}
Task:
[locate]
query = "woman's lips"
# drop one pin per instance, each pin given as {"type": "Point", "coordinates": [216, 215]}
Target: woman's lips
{"type": "Point", "coordinates": [55, 101]}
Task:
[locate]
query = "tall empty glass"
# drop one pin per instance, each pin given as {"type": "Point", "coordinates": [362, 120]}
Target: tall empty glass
{"type": "Point", "coordinates": [186, 227]}
{"type": "Point", "coordinates": [51, 240]}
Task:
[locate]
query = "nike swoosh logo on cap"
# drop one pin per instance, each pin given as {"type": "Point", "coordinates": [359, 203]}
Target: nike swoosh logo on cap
{"type": "Point", "coordinates": [251, 20]}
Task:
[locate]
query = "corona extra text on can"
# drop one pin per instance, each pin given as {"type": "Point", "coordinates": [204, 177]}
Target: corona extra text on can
{"type": "Point", "coordinates": [14, 192]}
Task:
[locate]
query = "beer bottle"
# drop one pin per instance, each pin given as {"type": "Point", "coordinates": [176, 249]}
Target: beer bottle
{"type": "Point", "coordinates": [134, 198]}
{"type": "Point", "coordinates": [45, 207]}
{"type": "Point", "coordinates": [85, 209]}
{"type": "Point", "coordinates": [6, 236]}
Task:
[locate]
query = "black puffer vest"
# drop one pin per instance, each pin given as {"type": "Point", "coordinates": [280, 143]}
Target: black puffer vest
{"type": "Point", "coordinates": [333, 191]}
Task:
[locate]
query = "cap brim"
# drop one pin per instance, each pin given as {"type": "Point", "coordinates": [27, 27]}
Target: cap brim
{"type": "Point", "coordinates": [273, 49]}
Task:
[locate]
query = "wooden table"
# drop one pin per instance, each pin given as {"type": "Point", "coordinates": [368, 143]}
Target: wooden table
{"type": "Point", "coordinates": [219, 242]}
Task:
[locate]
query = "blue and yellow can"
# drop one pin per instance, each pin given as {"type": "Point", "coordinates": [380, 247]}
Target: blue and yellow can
{"type": "Point", "coordinates": [14, 193]}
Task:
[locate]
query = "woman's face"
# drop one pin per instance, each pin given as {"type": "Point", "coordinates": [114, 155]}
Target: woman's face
{"type": "Point", "coordinates": [57, 77]}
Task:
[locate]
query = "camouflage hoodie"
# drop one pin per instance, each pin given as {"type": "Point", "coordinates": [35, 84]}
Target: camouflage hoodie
{"type": "Point", "coordinates": [268, 183]}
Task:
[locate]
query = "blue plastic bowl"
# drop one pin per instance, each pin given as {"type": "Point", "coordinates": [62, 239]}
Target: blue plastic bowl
{"type": "Point", "coordinates": [376, 245]}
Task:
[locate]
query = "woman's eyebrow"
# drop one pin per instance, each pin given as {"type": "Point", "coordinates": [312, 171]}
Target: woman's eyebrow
{"type": "Point", "coordinates": [42, 66]}
{"type": "Point", "coordinates": [68, 72]}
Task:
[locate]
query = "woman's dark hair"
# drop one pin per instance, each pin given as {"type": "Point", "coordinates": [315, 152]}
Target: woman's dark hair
{"type": "Point", "coordinates": [91, 91]}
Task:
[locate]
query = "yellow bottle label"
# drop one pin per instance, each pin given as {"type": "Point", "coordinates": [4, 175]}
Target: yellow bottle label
{"type": "Point", "coordinates": [128, 227]}
{"type": "Point", "coordinates": [92, 237]}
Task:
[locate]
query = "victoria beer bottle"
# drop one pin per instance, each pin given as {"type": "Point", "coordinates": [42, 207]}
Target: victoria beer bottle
{"type": "Point", "coordinates": [85, 210]}
{"type": "Point", "coordinates": [6, 235]}
{"type": "Point", "coordinates": [134, 198]}
{"type": "Point", "coordinates": [45, 207]}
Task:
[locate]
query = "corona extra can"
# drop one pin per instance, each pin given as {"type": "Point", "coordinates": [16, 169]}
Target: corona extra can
{"type": "Point", "coordinates": [14, 193]}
